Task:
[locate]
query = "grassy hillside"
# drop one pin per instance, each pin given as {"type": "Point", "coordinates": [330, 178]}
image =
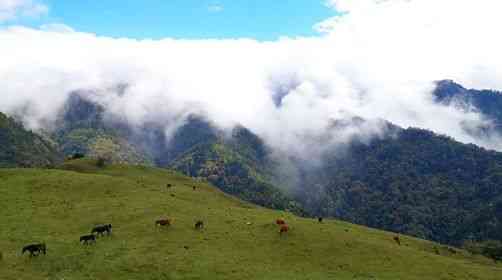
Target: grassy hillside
{"type": "Point", "coordinates": [58, 206]}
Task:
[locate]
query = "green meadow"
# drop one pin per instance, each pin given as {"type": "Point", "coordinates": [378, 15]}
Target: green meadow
{"type": "Point", "coordinates": [239, 240]}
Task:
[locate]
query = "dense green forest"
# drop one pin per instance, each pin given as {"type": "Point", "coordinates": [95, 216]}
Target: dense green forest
{"type": "Point", "coordinates": [238, 166]}
{"type": "Point", "coordinates": [20, 147]}
{"type": "Point", "coordinates": [417, 183]}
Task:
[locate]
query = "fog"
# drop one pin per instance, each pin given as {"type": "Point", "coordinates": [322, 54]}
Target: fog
{"type": "Point", "coordinates": [377, 60]}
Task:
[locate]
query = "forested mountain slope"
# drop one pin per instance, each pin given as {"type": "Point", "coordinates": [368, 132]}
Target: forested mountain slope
{"type": "Point", "coordinates": [20, 147]}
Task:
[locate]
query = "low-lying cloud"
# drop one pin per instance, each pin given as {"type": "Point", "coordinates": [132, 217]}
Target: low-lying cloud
{"type": "Point", "coordinates": [13, 9]}
{"type": "Point", "coordinates": [377, 60]}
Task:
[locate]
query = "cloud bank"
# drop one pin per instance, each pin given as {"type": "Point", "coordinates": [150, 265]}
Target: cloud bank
{"type": "Point", "coordinates": [12, 9]}
{"type": "Point", "coordinates": [377, 60]}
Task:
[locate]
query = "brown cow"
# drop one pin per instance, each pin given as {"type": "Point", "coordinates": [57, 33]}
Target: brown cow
{"type": "Point", "coordinates": [163, 222]}
{"type": "Point", "coordinates": [398, 240]}
{"type": "Point", "coordinates": [284, 229]}
{"type": "Point", "coordinates": [280, 222]}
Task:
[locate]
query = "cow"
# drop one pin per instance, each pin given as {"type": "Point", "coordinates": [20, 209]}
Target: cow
{"type": "Point", "coordinates": [199, 225]}
{"type": "Point", "coordinates": [280, 222]}
{"type": "Point", "coordinates": [35, 249]}
{"type": "Point", "coordinates": [88, 239]}
{"type": "Point", "coordinates": [319, 219]}
{"type": "Point", "coordinates": [77, 156]}
{"type": "Point", "coordinates": [397, 240]}
{"type": "Point", "coordinates": [284, 229]}
{"type": "Point", "coordinates": [100, 230]}
{"type": "Point", "coordinates": [163, 222]}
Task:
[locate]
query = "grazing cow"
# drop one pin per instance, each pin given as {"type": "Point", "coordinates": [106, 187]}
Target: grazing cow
{"type": "Point", "coordinates": [88, 239]}
{"type": "Point", "coordinates": [398, 240]}
{"type": "Point", "coordinates": [199, 225]}
{"type": "Point", "coordinates": [284, 229]}
{"type": "Point", "coordinates": [77, 156]}
{"type": "Point", "coordinates": [35, 249]}
{"type": "Point", "coordinates": [319, 219]}
{"type": "Point", "coordinates": [280, 222]}
{"type": "Point", "coordinates": [100, 230]}
{"type": "Point", "coordinates": [194, 188]}
{"type": "Point", "coordinates": [168, 186]}
{"type": "Point", "coordinates": [163, 222]}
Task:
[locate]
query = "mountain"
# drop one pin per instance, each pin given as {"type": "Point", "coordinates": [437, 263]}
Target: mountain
{"type": "Point", "coordinates": [234, 162]}
{"type": "Point", "coordinates": [82, 127]}
{"type": "Point", "coordinates": [239, 240]}
{"type": "Point", "coordinates": [20, 147]}
{"type": "Point", "coordinates": [409, 180]}
{"type": "Point", "coordinates": [415, 182]}
{"type": "Point", "coordinates": [405, 180]}
{"type": "Point", "coordinates": [237, 164]}
{"type": "Point", "coordinates": [486, 102]}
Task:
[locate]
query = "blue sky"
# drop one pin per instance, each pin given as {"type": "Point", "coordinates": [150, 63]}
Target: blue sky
{"type": "Point", "coordinates": [259, 19]}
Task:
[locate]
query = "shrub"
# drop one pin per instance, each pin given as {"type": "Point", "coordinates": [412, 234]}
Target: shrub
{"type": "Point", "coordinates": [489, 248]}
{"type": "Point", "coordinates": [101, 162]}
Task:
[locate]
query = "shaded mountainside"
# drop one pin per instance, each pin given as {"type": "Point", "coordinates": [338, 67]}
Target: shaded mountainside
{"type": "Point", "coordinates": [82, 128]}
{"type": "Point", "coordinates": [238, 241]}
{"type": "Point", "coordinates": [238, 165]}
{"type": "Point", "coordinates": [416, 183]}
{"type": "Point", "coordinates": [19, 147]}
{"type": "Point", "coordinates": [486, 102]}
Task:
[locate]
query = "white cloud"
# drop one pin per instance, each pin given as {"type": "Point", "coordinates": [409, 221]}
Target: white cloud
{"type": "Point", "coordinates": [344, 6]}
{"type": "Point", "coordinates": [378, 62]}
{"type": "Point", "coordinates": [215, 8]}
{"type": "Point", "coordinates": [13, 9]}
{"type": "Point", "coordinates": [57, 27]}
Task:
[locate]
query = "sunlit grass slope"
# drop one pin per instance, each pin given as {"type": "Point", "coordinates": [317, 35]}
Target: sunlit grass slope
{"type": "Point", "coordinates": [239, 241]}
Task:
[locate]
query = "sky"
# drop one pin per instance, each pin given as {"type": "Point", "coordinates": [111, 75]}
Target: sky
{"type": "Point", "coordinates": [370, 59]}
{"type": "Point", "coordinates": [189, 19]}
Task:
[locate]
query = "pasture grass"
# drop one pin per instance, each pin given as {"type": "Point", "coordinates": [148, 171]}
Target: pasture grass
{"type": "Point", "coordinates": [239, 241]}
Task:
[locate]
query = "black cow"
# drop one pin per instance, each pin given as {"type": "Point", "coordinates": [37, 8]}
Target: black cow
{"type": "Point", "coordinates": [100, 230]}
{"type": "Point", "coordinates": [199, 225]}
{"type": "Point", "coordinates": [35, 249]}
{"type": "Point", "coordinates": [88, 239]}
